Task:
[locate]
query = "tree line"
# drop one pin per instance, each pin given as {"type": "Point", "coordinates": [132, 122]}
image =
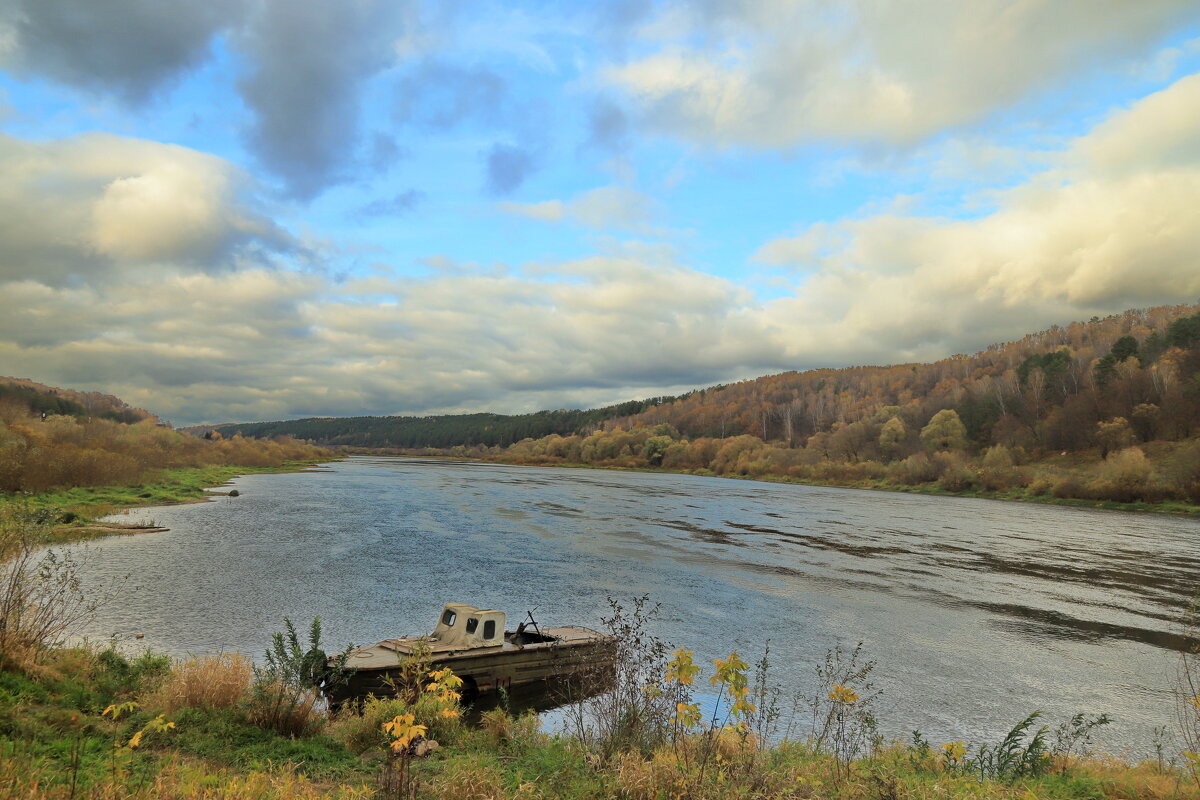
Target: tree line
{"type": "Point", "coordinates": [447, 430]}
{"type": "Point", "coordinates": [1099, 410]}
{"type": "Point", "coordinates": [46, 442]}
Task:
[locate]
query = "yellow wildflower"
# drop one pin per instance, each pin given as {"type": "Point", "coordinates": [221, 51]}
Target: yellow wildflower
{"type": "Point", "coordinates": [403, 730]}
{"type": "Point", "coordinates": [843, 694]}
{"type": "Point", "coordinates": [954, 752]}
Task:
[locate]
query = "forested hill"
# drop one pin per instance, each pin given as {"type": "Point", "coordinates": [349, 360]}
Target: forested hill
{"type": "Point", "coordinates": [449, 430]}
{"type": "Point", "coordinates": [1049, 390]}
{"type": "Point", "coordinates": [38, 398]}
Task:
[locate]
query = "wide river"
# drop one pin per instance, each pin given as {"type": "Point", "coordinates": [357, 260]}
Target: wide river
{"type": "Point", "coordinates": [977, 612]}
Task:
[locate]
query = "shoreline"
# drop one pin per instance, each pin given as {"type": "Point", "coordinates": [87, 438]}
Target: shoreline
{"type": "Point", "coordinates": [1172, 508]}
{"type": "Point", "coordinates": [80, 508]}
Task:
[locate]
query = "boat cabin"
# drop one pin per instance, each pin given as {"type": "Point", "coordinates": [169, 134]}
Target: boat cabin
{"type": "Point", "coordinates": [466, 627]}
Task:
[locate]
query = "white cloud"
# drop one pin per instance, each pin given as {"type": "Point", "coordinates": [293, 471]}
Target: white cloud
{"type": "Point", "coordinates": [547, 211]}
{"type": "Point", "coordinates": [90, 204]}
{"type": "Point", "coordinates": [1115, 224]}
{"type": "Point", "coordinates": [1110, 223]}
{"type": "Point", "coordinates": [772, 74]}
{"type": "Point", "coordinates": [604, 208]}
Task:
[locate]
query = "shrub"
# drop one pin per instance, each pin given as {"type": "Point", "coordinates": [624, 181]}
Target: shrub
{"type": "Point", "coordinates": [285, 709]}
{"type": "Point", "coordinates": [1040, 486]}
{"type": "Point", "coordinates": [434, 705]}
{"type": "Point", "coordinates": [284, 695]}
{"type": "Point", "coordinates": [1124, 477]}
{"type": "Point", "coordinates": [998, 457]}
{"type": "Point", "coordinates": [207, 682]}
{"type": "Point", "coordinates": [1068, 487]}
{"type": "Point", "coordinates": [957, 476]}
{"type": "Point", "coordinates": [916, 469]}
{"type": "Point", "coordinates": [505, 729]}
{"type": "Point", "coordinates": [40, 595]}
{"type": "Point", "coordinates": [362, 732]}
{"type": "Point", "coordinates": [636, 713]}
{"type": "Point", "coordinates": [997, 480]}
{"type": "Point", "coordinates": [1183, 471]}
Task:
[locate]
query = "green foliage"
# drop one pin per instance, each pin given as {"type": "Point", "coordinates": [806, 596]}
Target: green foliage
{"type": "Point", "coordinates": [284, 694]}
{"type": "Point", "coordinates": [1075, 738]}
{"type": "Point", "coordinates": [1123, 348]}
{"type": "Point", "coordinates": [1184, 332]}
{"type": "Point", "coordinates": [287, 662]}
{"type": "Point", "coordinates": [1051, 364]}
{"type": "Point", "coordinates": [655, 448]}
{"type": "Point", "coordinates": [892, 436]}
{"type": "Point", "coordinates": [1105, 370]}
{"type": "Point", "coordinates": [1015, 756]}
{"type": "Point", "coordinates": [446, 430]}
{"type": "Point", "coordinates": [945, 431]}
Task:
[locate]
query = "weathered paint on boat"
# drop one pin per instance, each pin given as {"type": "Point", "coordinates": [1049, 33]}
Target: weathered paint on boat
{"type": "Point", "coordinates": [517, 658]}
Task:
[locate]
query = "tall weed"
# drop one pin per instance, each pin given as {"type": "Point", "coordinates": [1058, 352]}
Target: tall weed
{"type": "Point", "coordinates": [284, 696]}
{"type": "Point", "coordinates": [41, 598]}
{"type": "Point", "coordinates": [636, 712]}
{"type": "Point", "coordinates": [1015, 757]}
{"type": "Point", "coordinates": [206, 682]}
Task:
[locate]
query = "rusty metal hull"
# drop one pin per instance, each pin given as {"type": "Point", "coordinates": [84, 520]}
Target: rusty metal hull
{"type": "Point", "coordinates": [569, 653]}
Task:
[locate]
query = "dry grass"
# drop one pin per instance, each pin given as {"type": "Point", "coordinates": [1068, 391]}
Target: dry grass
{"type": "Point", "coordinates": [207, 682]}
{"type": "Point", "coordinates": [503, 728]}
{"type": "Point", "coordinates": [473, 781]}
{"type": "Point", "coordinates": [179, 780]}
{"type": "Point", "coordinates": [285, 709]}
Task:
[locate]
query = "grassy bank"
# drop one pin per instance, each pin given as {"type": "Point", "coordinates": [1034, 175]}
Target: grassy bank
{"type": "Point", "coordinates": [1040, 489]}
{"type": "Point", "coordinates": [100, 723]}
{"type": "Point", "coordinates": [77, 509]}
{"type": "Point", "coordinates": [58, 741]}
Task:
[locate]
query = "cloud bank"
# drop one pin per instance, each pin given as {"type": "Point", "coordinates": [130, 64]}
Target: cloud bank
{"type": "Point", "coordinates": [156, 278]}
{"type": "Point", "coordinates": [778, 73]}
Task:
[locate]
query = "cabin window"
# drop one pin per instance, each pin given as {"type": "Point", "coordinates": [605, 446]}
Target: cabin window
{"type": "Point", "coordinates": [472, 624]}
{"type": "Point", "coordinates": [489, 629]}
{"type": "Point", "coordinates": [448, 618]}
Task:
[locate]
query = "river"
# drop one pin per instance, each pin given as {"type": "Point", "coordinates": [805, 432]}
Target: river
{"type": "Point", "coordinates": [977, 612]}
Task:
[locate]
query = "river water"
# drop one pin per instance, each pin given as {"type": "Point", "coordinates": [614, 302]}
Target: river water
{"type": "Point", "coordinates": [977, 612]}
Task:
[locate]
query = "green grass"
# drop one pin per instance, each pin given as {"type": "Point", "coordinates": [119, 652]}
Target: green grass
{"type": "Point", "coordinates": [47, 718]}
{"type": "Point", "coordinates": [1017, 495]}
{"type": "Point", "coordinates": [78, 507]}
{"type": "Point", "coordinates": [53, 732]}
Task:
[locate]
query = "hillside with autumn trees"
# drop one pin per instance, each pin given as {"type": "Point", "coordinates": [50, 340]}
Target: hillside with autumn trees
{"type": "Point", "coordinates": [1099, 410]}
{"type": "Point", "coordinates": [52, 438]}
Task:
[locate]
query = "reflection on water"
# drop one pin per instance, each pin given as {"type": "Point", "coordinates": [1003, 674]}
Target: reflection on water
{"type": "Point", "coordinates": [978, 612]}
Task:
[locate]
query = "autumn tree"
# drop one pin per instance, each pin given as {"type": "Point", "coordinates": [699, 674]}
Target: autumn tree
{"type": "Point", "coordinates": [944, 432]}
{"type": "Point", "coordinates": [1114, 434]}
{"type": "Point", "coordinates": [892, 437]}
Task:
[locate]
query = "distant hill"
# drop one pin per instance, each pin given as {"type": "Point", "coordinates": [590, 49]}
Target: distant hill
{"type": "Point", "coordinates": [1047, 390]}
{"type": "Point", "coordinates": [38, 398]}
{"type": "Point", "coordinates": [449, 430]}
{"type": "Point", "coordinates": [53, 438]}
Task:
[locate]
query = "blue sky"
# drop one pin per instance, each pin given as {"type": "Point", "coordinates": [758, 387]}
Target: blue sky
{"type": "Point", "coordinates": [259, 209]}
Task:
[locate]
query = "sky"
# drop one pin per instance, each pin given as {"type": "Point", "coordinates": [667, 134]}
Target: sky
{"type": "Point", "coordinates": [242, 210]}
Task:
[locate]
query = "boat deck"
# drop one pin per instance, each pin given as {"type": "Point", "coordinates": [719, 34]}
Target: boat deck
{"type": "Point", "coordinates": [387, 654]}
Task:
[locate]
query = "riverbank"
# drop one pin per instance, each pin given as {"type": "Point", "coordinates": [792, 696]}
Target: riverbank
{"type": "Point", "coordinates": [1045, 480]}
{"type": "Point", "coordinates": [83, 723]}
{"type": "Point", "coordinates": [76, 512]}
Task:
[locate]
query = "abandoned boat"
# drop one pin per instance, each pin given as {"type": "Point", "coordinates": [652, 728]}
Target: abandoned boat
{"type": "Point", "coordinates": [473, 642]}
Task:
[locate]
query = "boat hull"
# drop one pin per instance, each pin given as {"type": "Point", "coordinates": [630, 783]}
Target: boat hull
{"type": "Point", "coordinates": [574, 657]}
